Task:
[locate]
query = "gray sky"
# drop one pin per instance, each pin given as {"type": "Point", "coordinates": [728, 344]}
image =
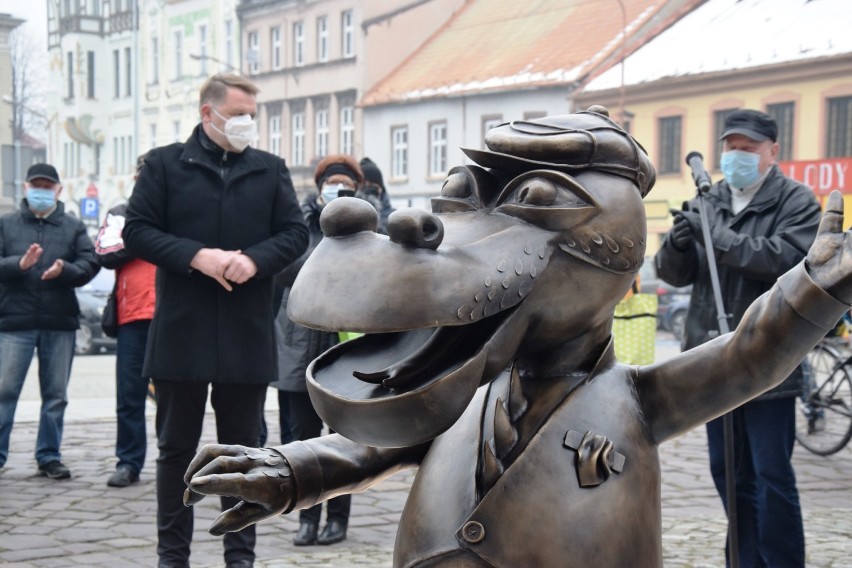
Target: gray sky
{"type": "Point", "coordinates": [33, 11]}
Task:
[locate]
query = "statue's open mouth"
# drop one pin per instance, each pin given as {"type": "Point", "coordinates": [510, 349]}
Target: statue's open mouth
{"type": "Point", "coordinates": [402, 388]}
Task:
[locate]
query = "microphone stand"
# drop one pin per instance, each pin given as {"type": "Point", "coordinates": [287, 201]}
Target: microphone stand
{"type": "Point", "coordinates": [728, 418]}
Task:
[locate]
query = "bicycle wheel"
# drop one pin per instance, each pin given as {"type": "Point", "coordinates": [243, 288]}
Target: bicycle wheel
{"type": "Point", "coordinates": [824, 416]}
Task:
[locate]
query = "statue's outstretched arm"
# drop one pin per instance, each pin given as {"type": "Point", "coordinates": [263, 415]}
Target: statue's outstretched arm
{"type": "Point", "coordinates": [773, 337]}
{"type": "Point", "coordinates": [271, 481]}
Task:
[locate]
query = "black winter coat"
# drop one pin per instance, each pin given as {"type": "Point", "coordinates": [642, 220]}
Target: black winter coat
{"type": "Point", "coordinates": [26, 301]}
{"type": "Point", "coordinates": [195, 195]}
{"type": "Point", "coordinates": [753, 248]}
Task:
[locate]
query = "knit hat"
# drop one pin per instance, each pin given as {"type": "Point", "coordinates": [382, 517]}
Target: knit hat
{"type": "Point", "coordinates": [338, 164]}
{"type": "Point", "coordinates": [372, 172]}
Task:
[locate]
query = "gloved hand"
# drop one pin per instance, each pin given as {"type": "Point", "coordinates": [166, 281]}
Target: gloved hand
{"type": "Point", "coordinates": [681, 234]}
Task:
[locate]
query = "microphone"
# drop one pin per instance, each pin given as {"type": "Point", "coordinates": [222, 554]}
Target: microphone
{"type": "Point", "coordinates": [695, 161]}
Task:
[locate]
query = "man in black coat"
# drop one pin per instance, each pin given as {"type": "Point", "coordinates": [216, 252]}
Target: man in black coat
{"type": "Point", "coordinates": [219, 219]}
{"type": "Point", "coordinates": [44, 255]}
{"type": "Point", "coordinates": [762, 224]}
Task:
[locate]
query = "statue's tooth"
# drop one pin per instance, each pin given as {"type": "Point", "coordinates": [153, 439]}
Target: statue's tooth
{"type": "Point", "coordinates": [505, 435]}
{"type": "Point", "coordinates": [517, 401]}
{"type": "Point", "coordinates": [492, 469]}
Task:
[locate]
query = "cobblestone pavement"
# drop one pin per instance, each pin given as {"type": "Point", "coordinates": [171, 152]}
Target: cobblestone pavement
{"type": "Point", "coordinates": [82, 522]}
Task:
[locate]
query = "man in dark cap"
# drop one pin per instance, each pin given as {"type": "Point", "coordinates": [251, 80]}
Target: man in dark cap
{"type": "Point", "coordinates": [44, 255]}
{"type": "Point", "coordinates": [761, 224]}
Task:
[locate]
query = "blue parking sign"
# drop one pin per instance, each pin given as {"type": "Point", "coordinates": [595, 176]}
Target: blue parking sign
{"type": "Point", "coordinates": [89, 208]}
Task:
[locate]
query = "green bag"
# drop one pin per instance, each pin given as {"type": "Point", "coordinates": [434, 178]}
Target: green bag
{"type": "Point", "coordinates": [634, 329]}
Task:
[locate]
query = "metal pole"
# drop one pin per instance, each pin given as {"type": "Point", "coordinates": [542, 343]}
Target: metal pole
{"type": "Point", "coordinates": [18, 173]}
{"type": "Point", "coordinates": [727, 419]}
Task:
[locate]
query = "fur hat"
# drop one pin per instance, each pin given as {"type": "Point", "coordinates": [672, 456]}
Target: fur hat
{"type": "Point", "coordinates": [338, 164]}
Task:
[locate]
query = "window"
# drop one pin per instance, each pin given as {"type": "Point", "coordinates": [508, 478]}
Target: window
{"type": "Point", "coordinates": [718, 128]}
{"type": "Point", "coordinates": [154, 62]}
{"type": "Point", "coordinates": [347, 130]}
{"type": "Point", "coordinates": [152, 135]}
{"type": "Point", "coordinates": [298, 138]}
{"type": "Point", "coordinates": [669, 144]}
{"type": "Point", "coordinates": [299, 44]}
{"type": "Point", "coordinates": [116, 73]}
{"type": "Point", "coordinates": [322, 38]}
{"type": "Point", "coordinates": [321, 128]}
{"type": "Point", "coordinates": [202, 49]}
{"type": "Point", "coordinates": [176, 130]}
{"type": "Point", "coordinates": [347, 38]}
{"type": "Point", "coordinates": [275, 47]}
{"type": "Point", "coordinates": [228, 44]}
{"type": "Point", "coordinates": [839, 127]}
{"type": "Point", "coordinates": [90, 76]}
{"type": "Point", "coordinates": [399, 156]}
{"type": "Point", "coordinates": [783, 115]}
{"type": "Point", "coordinates": [70, 68]}
{"type": "Point", "coordinates": [275, 135]}
{"type": "Point", "coordinates": [437, 149]}
{"type": "Point", "coordinates": [128, 72]}
{"type": "Point", "coordinates": [177, 55]}
{"type": "Point", "coordinates": [253, 55]}
{"type": "Point", "coordinates": [489, 122]}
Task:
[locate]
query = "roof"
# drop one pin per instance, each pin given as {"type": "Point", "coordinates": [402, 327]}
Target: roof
{"type": "Point", "coordinates": [727, 35]}
{"type": "Point", "coordinates": [494, 45]}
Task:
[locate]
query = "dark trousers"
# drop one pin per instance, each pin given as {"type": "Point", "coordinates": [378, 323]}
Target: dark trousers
{"type": "Point", "coordinates": [768, 513]}
{"type": "Point", "coordinates": [306, 424]}
{"type": "Point", "coordinates": [131, 389]}
{"type": "Point", "coordinates": [180, 416]}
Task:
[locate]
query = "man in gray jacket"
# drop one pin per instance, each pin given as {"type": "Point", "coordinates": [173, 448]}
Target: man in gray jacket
{"type": "Point", "coordinates": [44, 255]}
{"type": "Point", "coordinates": [762, 224]}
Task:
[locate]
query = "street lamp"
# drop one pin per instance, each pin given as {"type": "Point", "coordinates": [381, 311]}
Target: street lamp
{"type": "Point", "coordinates": [204, 57]}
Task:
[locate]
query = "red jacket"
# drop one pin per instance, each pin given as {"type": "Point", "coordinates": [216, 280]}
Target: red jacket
{"type": "Point", "coordinates": [135, 287]}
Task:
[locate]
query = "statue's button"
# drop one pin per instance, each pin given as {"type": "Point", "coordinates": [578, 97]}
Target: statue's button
{"type": "Point", "coordinates": [473, 532]}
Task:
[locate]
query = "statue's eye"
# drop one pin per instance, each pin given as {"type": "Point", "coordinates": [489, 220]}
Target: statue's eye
{"type": "Point", "coordinates": [537, 191]}
{"type": "Point", "coordinates": [456, 185]}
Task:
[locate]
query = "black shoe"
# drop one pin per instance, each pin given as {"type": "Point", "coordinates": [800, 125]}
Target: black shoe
{"type": "Point", "coordinates": [334, 531]}
{"type": "Point", "coordinates": [307, 535]}
{"type": "Point", "coordinates": [122, 477]}
{"type": "Point", "coordinates": [54, 470]}
{"type": "Point", "coordinates": [245, 563]}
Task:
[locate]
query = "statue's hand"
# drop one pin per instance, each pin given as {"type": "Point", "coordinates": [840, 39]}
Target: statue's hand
{"type": "Point", "coordinates": [261, 477]}
{"type": "Point", "coordinates": [830, 257]}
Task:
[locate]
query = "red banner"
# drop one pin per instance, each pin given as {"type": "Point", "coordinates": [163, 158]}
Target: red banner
{"type": "Point", "coordinates": [821, 175]}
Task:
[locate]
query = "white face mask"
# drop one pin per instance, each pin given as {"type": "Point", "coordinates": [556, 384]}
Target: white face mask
{"type": "Point", "coordinates": [240, 131]}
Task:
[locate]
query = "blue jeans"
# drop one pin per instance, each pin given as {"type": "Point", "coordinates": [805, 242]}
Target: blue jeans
{"type": "Point", "coordinates": [131, 389]}
{"type": "Point", "coordinates": [770, 532]}
{"type": "Point", "coordinates": [55, 351]}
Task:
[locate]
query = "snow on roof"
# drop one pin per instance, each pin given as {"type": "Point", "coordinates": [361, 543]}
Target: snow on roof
{"type": "Point", "coordinates": [497, 44]}
{"type": "Point", "coordinates": [724, 35]}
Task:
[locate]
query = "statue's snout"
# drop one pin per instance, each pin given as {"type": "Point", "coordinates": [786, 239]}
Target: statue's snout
{"type": "Point", "coordinates": [415, 228]}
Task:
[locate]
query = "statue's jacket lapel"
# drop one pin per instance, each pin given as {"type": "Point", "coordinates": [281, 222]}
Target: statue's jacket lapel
{"type": "Point", "coordinates": [596, 525]}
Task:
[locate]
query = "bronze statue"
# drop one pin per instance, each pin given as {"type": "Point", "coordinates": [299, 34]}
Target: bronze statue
{"type": "Point", "coordinates": [488, 362]}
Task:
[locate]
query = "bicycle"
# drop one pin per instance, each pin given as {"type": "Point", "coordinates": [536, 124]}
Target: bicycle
{"type": "Point", "coordinates": [824, 414]}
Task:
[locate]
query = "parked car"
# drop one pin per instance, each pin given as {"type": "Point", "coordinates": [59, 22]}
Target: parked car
{"type": "Point", "coordinates": [650, 283]}
{"type": "Point", "coordinates": [674, 318]}
{"type": "Point", "coordinates": [92, 298]}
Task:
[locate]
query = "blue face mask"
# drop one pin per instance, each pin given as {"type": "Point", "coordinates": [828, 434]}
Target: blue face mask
{"type": "Point", "coordinates": [334, 190]}
{"type": "Point", "coordinates": [740, 168]}
{"type": "Point", "coordinates": [41, 200]}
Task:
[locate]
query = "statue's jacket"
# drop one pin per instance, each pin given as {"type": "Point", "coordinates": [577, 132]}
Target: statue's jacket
{"type": "Point", "coordinates": [590, 467]}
